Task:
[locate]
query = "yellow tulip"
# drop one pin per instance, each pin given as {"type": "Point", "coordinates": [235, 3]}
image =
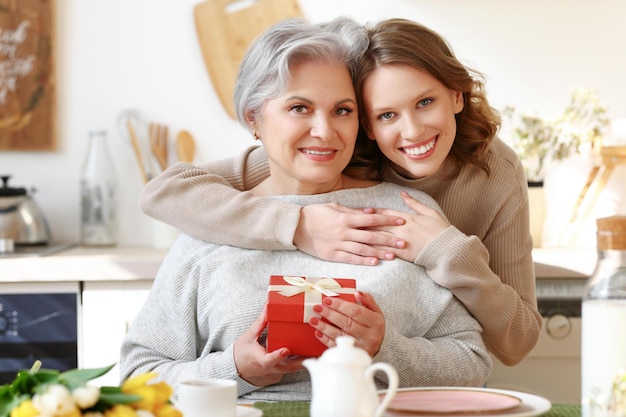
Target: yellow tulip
{"type": "Point", "coordinates": [137, 381]}
{"type": "Point", "coordinates": [163, 392]}
{"type": "Point", "coordinates": [120, 410]}
{"type": "Point", "coordinates": [74, 413]}
{"type": "Point", "coordinates": [151, 395]}
{"type": "Point", "coordinates": [93, 414]}
{"type": "Point", "coordinates": [167, 410]}
{"type": "Point", "coordinates": [25, 409]}
{"type": "Point", "coordinates": [148, 398]}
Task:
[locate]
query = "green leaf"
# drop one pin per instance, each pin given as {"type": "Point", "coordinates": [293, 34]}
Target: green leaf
{"type": "Point", "coordinates": [119, 398]}
{"type": "Point", "coordinates": [109, 397]}
{"type": "Point", "coordinates": [78, 377]}
{"type": "Point", "coordinates": [9, 403]}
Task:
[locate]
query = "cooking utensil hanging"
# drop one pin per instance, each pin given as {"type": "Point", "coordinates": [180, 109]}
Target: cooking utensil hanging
{"type": "Point", "coordinates": [158, 143]}
{"type": "Point", "coordinates": [133, 126]}
{"type": "Point", "coordinates": [185, 146]}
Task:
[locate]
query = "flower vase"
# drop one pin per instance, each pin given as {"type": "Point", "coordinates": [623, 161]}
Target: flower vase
{"type": "Point", "coordinates": [537, 207]}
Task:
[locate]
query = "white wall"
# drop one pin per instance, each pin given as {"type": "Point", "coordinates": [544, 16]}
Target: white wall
{"type": "Point", "coordinates": [119, 54]}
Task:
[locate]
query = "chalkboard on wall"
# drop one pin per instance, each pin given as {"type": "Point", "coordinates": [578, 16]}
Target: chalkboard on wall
{"type": "Point", "coordinates": [27, 93]}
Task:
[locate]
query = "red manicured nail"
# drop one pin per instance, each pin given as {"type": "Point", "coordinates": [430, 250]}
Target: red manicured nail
{"type": "Point", "coordinates": [327, 301]}
{"type": "Point", "coordinates": [314, 321]}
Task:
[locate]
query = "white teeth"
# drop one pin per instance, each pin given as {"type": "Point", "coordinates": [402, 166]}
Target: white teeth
{"type": "Point", "coordinates": [316, 152]}
{"type": "Point", "coordinates": [419, 150]}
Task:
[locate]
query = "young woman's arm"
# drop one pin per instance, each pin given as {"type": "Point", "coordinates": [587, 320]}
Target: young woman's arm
{"type": "Point", "coordinates": [208, 203]}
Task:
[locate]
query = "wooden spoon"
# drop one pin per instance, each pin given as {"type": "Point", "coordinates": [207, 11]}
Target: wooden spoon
{"type": "Point", "coordinates": [185, 146]}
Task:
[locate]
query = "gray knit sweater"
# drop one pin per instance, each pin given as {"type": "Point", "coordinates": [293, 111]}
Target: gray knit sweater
{"type": "Point", "coordinates": [205, 296]}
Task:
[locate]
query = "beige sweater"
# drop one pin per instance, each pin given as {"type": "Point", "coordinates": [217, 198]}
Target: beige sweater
{"type": "Point", "coordinates": [485, 260]}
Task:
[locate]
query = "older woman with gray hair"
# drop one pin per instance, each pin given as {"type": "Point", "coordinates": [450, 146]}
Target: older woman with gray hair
{"type": "Point", "coordinates": [205, 315]}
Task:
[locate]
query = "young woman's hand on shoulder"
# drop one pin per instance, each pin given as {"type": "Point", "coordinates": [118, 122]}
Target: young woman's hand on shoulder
{"type": "Point", "coordinates": [418, 229]}
{"type": "Point", "coordinates": [337, 233]}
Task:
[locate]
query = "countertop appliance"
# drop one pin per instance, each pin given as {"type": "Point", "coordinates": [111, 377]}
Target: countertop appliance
{"type": "Point", "coordinates": [38, 323]}
{"type": "Point", "coordinates": [22, 222]}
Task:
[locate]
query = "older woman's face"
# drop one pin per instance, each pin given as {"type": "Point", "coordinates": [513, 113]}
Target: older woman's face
{"type": "Point", "coordinates": [309, 132]}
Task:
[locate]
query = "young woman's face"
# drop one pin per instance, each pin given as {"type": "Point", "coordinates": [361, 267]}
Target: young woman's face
{"type": "Point", "coordinates": [411, 117]}
{"type": "Point", "coordinates": [309, 132]}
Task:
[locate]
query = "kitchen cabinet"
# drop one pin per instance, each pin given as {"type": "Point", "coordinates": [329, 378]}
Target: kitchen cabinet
{"type": "Point", "coordinates": [110, 285]}
{"type": "Point", "coordinates": [553, 369]}
{"type": "Point", "coordinates": [109, 308]}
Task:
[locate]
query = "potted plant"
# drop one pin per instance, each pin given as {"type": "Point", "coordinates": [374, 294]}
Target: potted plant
{"type": "Point", "coordinates": [539, 141]}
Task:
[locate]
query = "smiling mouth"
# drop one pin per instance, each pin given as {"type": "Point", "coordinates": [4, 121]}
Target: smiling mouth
{"type": "Point", "coordinates": [420, 150]}
{"type": "Point", "coordinates": [312, 152]}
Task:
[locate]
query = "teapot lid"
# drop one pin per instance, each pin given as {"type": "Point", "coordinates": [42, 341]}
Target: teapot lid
{"type": "Point", "coordinates": [6, 191]}
{"type": "Point", "coordinates": [346, 352]}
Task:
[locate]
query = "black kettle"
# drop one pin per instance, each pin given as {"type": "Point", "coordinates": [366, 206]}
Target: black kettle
{"type": "Point", "coordinates": [21, 220]}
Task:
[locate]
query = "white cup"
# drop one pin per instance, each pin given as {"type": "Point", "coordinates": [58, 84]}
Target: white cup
{"type": "Point", "coordinates": [207, 398]}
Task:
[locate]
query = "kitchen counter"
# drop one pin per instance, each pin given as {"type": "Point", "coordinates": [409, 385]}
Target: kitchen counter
{"type": "Point", "coordinates": [121, 263]}
{"type": "Point", "coordinates": [564, 263]}
{"type": "Point", "coordinates": [85, 264]}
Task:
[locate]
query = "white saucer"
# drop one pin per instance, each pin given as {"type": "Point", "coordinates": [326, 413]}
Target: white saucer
{"type": "Point", "coordinates": [246, 411]}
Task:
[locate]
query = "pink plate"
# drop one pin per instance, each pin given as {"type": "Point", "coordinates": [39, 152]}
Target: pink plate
{"type": "Point", "coordinates": [451, 402]}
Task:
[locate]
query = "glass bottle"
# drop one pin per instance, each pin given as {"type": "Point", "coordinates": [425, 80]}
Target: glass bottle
{"type": "Point", "coordinates": [98, 194]}
{"type": "Point", "coordinates": [604, 325]}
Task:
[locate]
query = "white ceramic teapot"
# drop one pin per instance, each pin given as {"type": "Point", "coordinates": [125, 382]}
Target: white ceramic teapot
{"type": "Point", "coordinates": [343, 382]}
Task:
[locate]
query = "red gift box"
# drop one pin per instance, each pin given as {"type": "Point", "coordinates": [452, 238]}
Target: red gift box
{"type": "Point", "coordinates": [290, 301]}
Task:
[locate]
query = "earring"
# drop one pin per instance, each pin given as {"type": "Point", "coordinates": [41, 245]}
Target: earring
{"type": "Point", "coordinates": [256, 136]}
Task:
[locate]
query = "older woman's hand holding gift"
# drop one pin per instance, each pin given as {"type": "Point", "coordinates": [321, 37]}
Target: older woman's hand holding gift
{"type": "Point", "coordinates": [362, 320]}
{"type": "Point", "coordinates": [257, 366]}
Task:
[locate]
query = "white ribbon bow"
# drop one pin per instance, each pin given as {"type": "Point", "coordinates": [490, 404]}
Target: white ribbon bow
{"type": "Point", "coordinates": [313, 288]}
{"type": "Point", "coordinates": [300, 285]}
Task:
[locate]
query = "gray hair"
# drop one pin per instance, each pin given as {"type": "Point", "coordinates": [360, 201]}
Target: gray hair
{"type": "Point", "coordinates": [264, 72]}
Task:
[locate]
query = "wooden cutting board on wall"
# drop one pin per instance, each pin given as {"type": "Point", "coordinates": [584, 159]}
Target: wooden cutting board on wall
{"type": "Point", "coordinates": [225, 28]}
